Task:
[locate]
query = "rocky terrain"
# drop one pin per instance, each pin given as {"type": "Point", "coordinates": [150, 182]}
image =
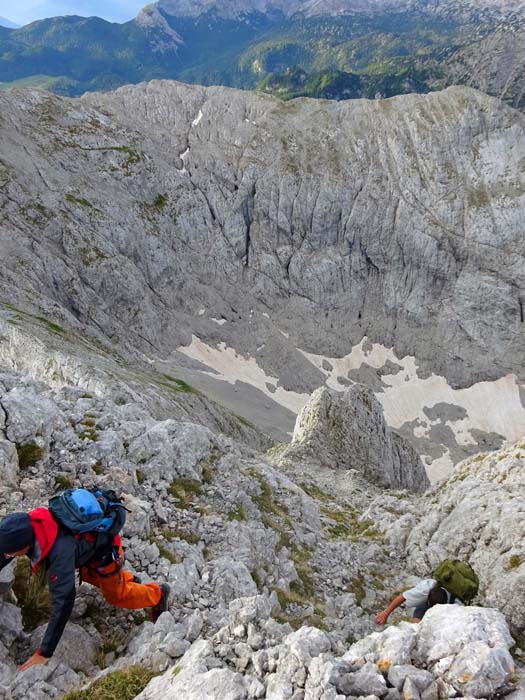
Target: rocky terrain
{"type": "Point", "coordinates": [268, 324]}
{"type": "Point", "coordinates": [203, 244]}
{"type": "Point", "coordinates": [277, 563]}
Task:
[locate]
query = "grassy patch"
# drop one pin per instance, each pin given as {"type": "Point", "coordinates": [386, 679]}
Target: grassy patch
{"type": "Point", "coordinates": [314, 491]}
{"type": "Point", "coordinates": [32, 594]}
{"type": "Point", "coordinates": [274, 515]}
{"type": "Point", "coordinates": [89, 434]}
{"type": "Point", "coordinates": [177, 670]}
{"type": "Point", "coordinates": [346, 525]}
{"type": "Point", "coordinates": [140, 477]}
{"type": "Point", "coordinates": [78, 200]}
{"type": "Point", "coordinates": [29, 454]}
{"type": "Point", "coordinates": [266, 501]}
{"type": "Point", "coordinates": [208, 465]}
{"type": "Point", "coordinates": [357, 587]}
{"type": "Point", "coordinates": [97, 468]}
{"type": "Point", "coordinates": [166, 553]}
{"type": "Point", "coordinates": [245, 422]}
{"type": "Point", "coordinates": [160, 202]}
{"type": "Point", "coordinates": [238, 513]}
{"type": "Point", "coordinates": [64, 482]}
{"type": "Point", "coordinates": [189, 537]}
{"type": "Point", "coordinates": [184, 491]}
{"type": "Point", "coordinates": [178, 385]}
{"type": "Point", "coordinates": [125, 684]}
{"type": "Point", "coordinates": [515, 561]}
{"type": "Point", "coordinates": [277, 450]}
{"type": "Point", "coordinates": [54, 327]}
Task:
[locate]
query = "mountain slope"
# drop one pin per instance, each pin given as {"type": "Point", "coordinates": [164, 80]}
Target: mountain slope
{"type": "Point", "coordinates": [258, 249]}
{"type": "Point", "coordinates": [333, 49]}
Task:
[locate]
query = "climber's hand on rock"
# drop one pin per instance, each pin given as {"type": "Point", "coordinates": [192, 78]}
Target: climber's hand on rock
{"type": "Point", "coordinates": [382, 618]}
{"type": "Point", "coordinates": [33, 661]}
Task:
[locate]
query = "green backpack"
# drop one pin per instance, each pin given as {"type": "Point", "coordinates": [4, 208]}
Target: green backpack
{"type": "Point", "coordinates": [459, 578]}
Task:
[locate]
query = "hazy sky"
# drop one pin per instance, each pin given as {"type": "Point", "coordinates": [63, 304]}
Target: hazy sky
{"type": "Point", "coordinates": [25, 11]}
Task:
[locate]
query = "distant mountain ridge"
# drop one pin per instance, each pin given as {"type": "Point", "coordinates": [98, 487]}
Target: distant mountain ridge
{"type": "Point", "coordinates": [8, 24]}
{"type": "Point", "coordinates": [333, 49]}
{"type": "Point", "coordinates": [329, 8]}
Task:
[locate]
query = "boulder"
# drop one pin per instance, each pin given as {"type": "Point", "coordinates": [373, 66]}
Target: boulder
{"type": "Point", "coordinates": [77, 648]}
{"type": "Point", "coordinates": [347, 430]}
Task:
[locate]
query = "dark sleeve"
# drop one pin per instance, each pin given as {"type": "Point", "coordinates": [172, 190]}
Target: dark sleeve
{"type": "Point", "coordinates": [61, 580]}
{"type": "Point", "coordinates": [4, 561]}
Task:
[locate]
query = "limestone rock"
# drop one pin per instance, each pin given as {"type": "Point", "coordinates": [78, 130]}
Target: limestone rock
{"type": "Point", "coordinates": [347, 431]}
{"type": "Point", "coordinates": [77, 648]}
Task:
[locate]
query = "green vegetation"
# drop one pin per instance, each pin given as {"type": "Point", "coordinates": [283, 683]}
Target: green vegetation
{"type": "Point", "coordinates": [314, 491]}
{"type": "Point", "coordinates": [165, 552]}
{"type": "Point", "coordinates": [178, 385]}
{"type": "Point", "coordinates": [177, 670]}
{"type": "Point", "coordinates": [277, 450]}
{"type": "Point", "coordinates": [175, 533]}
{"type": "Point", "coordinates": [54, 327]}
{"type": "Point", "coordinates": [98, 468]}
{"type": "Point", "coordinates": [357, 587]}
{"type": "Point", "coordinates": [238, 513]}
{"type": "Point", "coordinates": [274, 515]}
{"type": "Point", "coordinates": [208, 465]}
{"type": "Point", "coordinates": [160, 202]}
{"type": "Point", "coordinates": [64, 482]}
{"type": "Point", "coordinates": [515, 561]}
{"type": "Point", "coordinates": [336, 57]}
{"type": "Point", "coordinates": [29, 454]}
{"type": "Point", "coordinates": [89, 434]}
{"type": "Point", "coordinates": [140, 477]}
{"type": "Point", "coordinates": [184, 491]}
{"type": "Point", "coordinates": [125, 684]}
{"type": "Point", "coordinates": [345, 524]}
{"type": "Point", "coordinates": [32, 594]}
{"type": "Point", "coordinates": [77, 200]}
{"type": "Point", "coordinates": [245, 422]}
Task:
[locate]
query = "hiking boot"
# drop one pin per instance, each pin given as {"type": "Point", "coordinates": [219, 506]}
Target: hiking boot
{"type": "Point", "coordinates": [163, 603]}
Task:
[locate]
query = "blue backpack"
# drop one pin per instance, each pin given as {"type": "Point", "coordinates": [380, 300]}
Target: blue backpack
{"type": "Point", "coordinates": [89, 510]}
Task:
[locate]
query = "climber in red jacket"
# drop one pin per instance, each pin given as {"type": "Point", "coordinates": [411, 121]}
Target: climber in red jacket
{"type": "Point", "coordinates": [100, 560]}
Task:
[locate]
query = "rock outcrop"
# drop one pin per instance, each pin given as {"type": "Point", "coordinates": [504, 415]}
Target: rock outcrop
{"type": "Point", "coordinates": [347, 430]}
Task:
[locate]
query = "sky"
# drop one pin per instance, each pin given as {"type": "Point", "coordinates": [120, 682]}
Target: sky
{"type": "Point", "coordinates": [25, 11]}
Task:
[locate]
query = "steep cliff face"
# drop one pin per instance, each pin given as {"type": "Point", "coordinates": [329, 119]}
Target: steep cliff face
{"type": "Point", "coordinates": [163, 215]}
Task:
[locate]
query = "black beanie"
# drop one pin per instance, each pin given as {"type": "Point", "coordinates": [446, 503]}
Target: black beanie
{"type": "Point", "coordinates": [16, 533]}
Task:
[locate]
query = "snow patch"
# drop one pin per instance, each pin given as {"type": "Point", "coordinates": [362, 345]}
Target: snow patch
{"type": "Point", "coordinates": [220, 321]}
{"type": "Point", "coordinates": [490, 406]}
{"type": "Point", "coordinates": [197, 119]}
{"type": "Point", "coordinates": [232, 367]}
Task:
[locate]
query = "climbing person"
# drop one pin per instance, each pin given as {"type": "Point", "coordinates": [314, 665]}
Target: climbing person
{"type": "Point", "coordinates": [60, 550]}
{"type": "Point", "coordinates": [453, 581]}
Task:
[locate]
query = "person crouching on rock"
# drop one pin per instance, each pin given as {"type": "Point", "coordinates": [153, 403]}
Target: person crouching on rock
{"type": "Point", "coordinates": [60, 552]}
{"type": "Point", "coordinates": [422, 597]}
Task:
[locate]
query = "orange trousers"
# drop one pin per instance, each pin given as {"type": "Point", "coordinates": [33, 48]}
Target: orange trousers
{"type": "Point", "coordinates": [120, 590]}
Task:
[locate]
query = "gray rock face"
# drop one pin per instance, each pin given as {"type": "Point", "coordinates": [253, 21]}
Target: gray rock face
{"type": "Point", "coordinates": [77, 648]}
{"type": "Point", "coordinates": [284, 204]}
{"type": "Point", "coordinates": [253, 226]}
{"type": "Point", "coordinates": [347, 430]}
{"type": "Point", "coordinates": [477, 516]}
